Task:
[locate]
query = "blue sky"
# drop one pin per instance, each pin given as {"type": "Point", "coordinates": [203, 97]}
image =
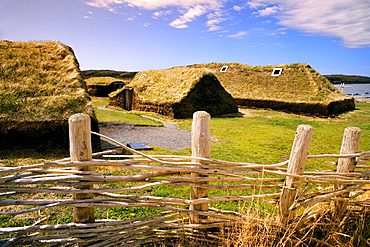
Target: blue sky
{"type": "Point", "coordinates": [333, 36]}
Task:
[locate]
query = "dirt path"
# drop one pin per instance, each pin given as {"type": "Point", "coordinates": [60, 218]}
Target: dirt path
{"type": "Point", "coordinates": [166, 137]}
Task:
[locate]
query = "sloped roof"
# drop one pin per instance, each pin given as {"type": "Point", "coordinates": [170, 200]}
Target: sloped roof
{"type": "Point", "coordinates": [297, 83]}
{"type": "Point", "coordinates": [170, 85]}
{"type": "Point", "coordinates": [40, 81]}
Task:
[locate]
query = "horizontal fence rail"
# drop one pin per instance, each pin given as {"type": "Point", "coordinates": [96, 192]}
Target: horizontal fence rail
{"type": "Point", "coordinates": [291, 188]}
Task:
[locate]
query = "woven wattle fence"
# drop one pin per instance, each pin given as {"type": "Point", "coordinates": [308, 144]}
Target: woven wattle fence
{"type": "Point", "coordinates": [192, 217]}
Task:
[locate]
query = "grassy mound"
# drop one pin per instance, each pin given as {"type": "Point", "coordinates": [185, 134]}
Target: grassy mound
{"type": "Point", "coordinates": [178, 92]}
{"type": "Point", "coordinates": [103, 86]}
{"type": "Point", "coordinates": [40, 87]}
{"type": "Point", "coordinates": [298, 88]}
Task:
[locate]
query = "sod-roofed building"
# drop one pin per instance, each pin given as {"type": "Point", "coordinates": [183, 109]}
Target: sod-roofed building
{"type": "Point", "coordinates": [294, 88]}
{"type": "Point", "coordinates": [176, 92]}
{"type": "Point", "coordinates": [101, 83]}
{"type": "Point", "coordinates": [40, 88]}
{"type": "Point", "coordinates": [103, 86]}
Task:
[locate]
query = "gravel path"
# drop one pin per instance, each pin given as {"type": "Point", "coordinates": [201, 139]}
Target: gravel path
{"type": "Point", "coordinates": [167, 137]}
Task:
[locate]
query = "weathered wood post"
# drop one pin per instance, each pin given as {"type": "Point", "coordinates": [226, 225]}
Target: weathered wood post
{"type": "Point", "coordinates": [128, 94]}
{"type": "Point", "coordinates": [297, 163]}
{"type": "Point", "coordinates": [201, 147]}
{"type": "Point", "coordinates": [350, 144]}
{"type": "Point", "coordinates": [81, 150]}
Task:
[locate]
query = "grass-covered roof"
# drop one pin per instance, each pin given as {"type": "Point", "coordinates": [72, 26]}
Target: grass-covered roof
{"type": "Point", "coordinates": [105, 81]}
{"type": "Point", "coordinates": [298, 83]}
{"type": "Point", "coordinates": [40, 81]}
{"type": "Point", "coordinates": [170, 85]}
{"type": "Point", "coordinates": [176, 92]}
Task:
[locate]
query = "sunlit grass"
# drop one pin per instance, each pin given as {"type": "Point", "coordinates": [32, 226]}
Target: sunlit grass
{"type": "Point", "coordinates": [106, 113]}
{"type": "Point", "coordinates": [40, 81]}
{"type": "Point", "coordinates": [256, 136]}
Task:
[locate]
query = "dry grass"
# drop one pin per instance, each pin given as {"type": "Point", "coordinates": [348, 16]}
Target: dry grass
{"type": "Point", "coordinates": [317, 226]}
{"type": "Point", "coordinates": [105, 81]}
{"type": "Point", "coordinates": [297, 83]}
{"type": "Point", "coordinates": [170, 85]}
{"type": "Point", "coordinates": [40, 81]}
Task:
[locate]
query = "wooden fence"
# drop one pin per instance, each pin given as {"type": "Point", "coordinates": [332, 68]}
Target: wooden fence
{"type": "Point", "coordinates": [79, 175]}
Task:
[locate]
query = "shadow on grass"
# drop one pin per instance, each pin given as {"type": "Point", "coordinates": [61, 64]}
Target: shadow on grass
{"type": "Point", "coordinates": [17, 157]}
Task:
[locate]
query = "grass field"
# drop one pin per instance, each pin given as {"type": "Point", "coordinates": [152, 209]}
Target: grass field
{"type": "Point", "coordinates": [266, 137]}
{"type": "Point", "coordinates": [257, 136]}
{"type": "Point", "coordinates": [106, 113]}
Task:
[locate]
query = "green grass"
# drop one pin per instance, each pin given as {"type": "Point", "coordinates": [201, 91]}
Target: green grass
{"type": "Point", "coordinates": [257, 136]}
{"type": "Point", "coordinates": [266, 137]}
{"type": "Point", "coordinates": [116, 114]}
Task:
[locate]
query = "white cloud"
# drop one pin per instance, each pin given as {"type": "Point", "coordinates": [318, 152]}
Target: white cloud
{"type": "Point", "coordinates": [189, 16]}
{"type": "Point", "coordinates": [239, 35]}
{"type": "Point", "coordinates": [160, 14]}
{"type": "Point", "coordinates": [237, 8]}
{"type": "Point", "coordinates": [189, 9]}
{"type": "Point", "coordinates": [267, 11]}
{"type": "Point", "coordinates": [154, 4]}
{"type": "Point", "coordinates": [88, 16]}
{"type": "Point", "coordinates": [348, 20]}
{"type": "Point", "coordinates": [255, 4]}
{"type": "Point", "coordinates": [213, 20]}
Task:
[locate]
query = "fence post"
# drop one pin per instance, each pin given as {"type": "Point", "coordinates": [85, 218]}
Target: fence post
{"type": "Point", "coordinates": [81, 150]}
{"type": "Point", "coordinates": [297, 162]}
{"type": "Point", "coordinates": [201, 147]}
{"type": "Point", "coordinates": [350, 144]}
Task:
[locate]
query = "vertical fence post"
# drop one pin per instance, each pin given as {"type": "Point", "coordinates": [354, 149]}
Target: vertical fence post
{"type": "Point", "coordinates": [201, 147]}
{"type": "Point", "coordinates": [80, 148]}
{"type": "Point", "coordinates": [350, 144]}
{"type": "Point", "coordinates": [297, 162]}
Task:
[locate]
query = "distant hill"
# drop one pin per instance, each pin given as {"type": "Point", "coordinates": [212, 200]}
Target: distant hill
{"type": "Point", "coordinates": [107, 73]}
{"type": "Point", "coordinates": [347, 79]}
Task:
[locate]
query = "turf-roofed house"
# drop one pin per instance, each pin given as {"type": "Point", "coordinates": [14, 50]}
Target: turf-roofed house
{"type": "Point", "coordinates": [40, 88]}
{"type": "Point", "coordinates": [176, 92]}
{"type": "Point", "coordinates": [296, 88]}
{"type": "Point", "coordinates": [101, 83]}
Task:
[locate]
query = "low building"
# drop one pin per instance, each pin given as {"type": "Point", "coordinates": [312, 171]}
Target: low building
{"type": "Point", "coordinates": [296, 88]}
{"type": "Point", "coordinates": [176, 92]}
{"type": "Point", "coordinates": [40, 88]}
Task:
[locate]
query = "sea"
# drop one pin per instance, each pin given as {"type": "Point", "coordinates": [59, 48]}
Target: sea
{"type": "Point", "coordinates": [355, 90]}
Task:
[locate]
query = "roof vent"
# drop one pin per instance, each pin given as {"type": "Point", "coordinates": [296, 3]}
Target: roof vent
{"type": "Point", "coordinates": [224, 68]}
{"type": "Point", "coordinates": [276, 72]}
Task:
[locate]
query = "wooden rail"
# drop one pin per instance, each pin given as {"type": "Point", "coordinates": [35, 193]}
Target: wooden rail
{"type": "Point", "coordinates": [79, 175]}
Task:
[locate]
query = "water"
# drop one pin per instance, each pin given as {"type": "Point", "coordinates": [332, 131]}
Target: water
{"type": "Point", "coordinates": [355, 90]}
